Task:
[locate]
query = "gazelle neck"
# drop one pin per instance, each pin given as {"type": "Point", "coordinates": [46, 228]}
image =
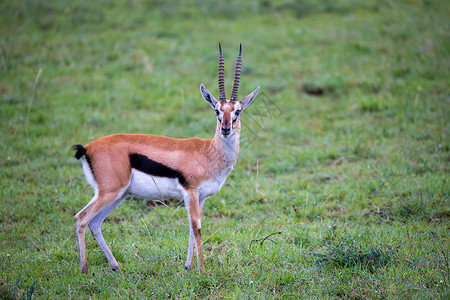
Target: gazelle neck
{"type": "Point", "coordinates": [226, 147]}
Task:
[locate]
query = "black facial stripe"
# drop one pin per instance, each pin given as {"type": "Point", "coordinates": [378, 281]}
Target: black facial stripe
{"type": "Point", "coordinates": [144, 164]}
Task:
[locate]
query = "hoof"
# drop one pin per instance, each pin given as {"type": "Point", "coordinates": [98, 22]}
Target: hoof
{"type": "Point", "coordinates": [84, 270]}
{"type": "Point", "coordinates": [188, 267]}
{"type": "Point", "coordinates": [117, 269]}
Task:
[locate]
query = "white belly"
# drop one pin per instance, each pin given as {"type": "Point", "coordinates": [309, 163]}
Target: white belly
{"type": "Point", "coordinates": [154, 187]}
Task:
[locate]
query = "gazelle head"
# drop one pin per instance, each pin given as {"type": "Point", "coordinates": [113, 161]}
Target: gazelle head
{"type": "Point", "coordinates": [228, 111]}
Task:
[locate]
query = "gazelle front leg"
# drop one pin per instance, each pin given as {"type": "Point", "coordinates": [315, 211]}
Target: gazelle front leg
{"type": "Point", "coordinates": [191, 202]}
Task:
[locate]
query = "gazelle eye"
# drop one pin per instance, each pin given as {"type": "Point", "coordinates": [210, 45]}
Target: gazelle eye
{"type": "Point", "coordinates": [217, 112]}
{"type": "Point", "coordinates": [237, 112]}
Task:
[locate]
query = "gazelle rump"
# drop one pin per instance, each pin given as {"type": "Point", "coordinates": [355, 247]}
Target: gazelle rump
{"type": "Point", "coordinates": [151, 167]}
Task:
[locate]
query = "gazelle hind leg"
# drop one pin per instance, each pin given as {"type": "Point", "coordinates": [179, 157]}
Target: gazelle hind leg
{"type": "Point", "coordinates": [95, 226]}
{"type": "Point", "coordinates": [83, 218]}
{"type": "Point", "coordinates": [81, 234]}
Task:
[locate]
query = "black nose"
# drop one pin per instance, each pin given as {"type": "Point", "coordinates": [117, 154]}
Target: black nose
{"type": "Point", "coordinates": [226, 131]}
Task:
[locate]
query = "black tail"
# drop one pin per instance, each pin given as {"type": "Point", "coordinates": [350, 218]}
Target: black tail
{"type": "Point", "coordinates": [80, 151]}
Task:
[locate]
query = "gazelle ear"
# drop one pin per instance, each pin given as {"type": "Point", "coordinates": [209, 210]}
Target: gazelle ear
{"type": "Point", "coordinates": [207, 96]}
{"type": "Point", "coordinates": [249, 98]}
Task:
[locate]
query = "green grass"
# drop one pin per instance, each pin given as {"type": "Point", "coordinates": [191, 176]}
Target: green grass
{"type": "Point", "coordinates": [345, 150]}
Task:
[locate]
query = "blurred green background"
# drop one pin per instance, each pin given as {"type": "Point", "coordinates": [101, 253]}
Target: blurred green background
{"type": "Point", "coordinates": [345, 150]}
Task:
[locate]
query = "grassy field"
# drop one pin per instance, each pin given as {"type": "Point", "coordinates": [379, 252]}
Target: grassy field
{"type": "Point", "coordinates": [345, 152]}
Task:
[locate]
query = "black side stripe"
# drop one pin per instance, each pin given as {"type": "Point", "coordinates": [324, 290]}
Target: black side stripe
{"type": "Point", "coordinates": [144, 164]}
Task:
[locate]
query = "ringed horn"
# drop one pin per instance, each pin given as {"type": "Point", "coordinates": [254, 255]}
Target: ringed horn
{"type": "Point", "coordinates": [237, 75]}
{"type": "Point", "coordinates": [222, 96]}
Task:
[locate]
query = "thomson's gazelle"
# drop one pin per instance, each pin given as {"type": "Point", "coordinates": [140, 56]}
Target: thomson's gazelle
{"type": "Point", "coordinates": [152, 167]}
